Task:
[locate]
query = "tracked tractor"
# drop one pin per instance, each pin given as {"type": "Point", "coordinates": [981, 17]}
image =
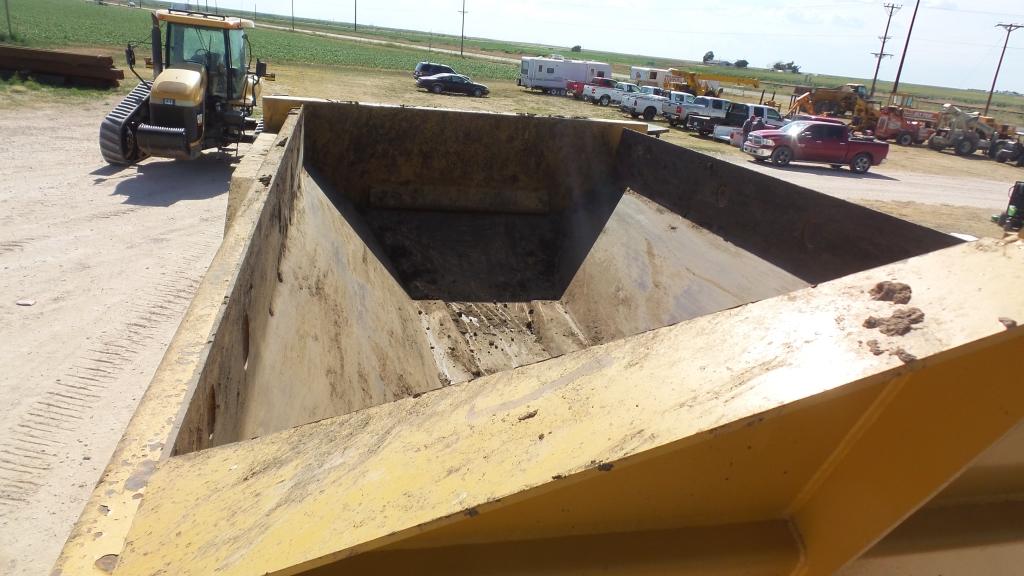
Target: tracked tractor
{"type": "Point", "coordinates": [202, 94]}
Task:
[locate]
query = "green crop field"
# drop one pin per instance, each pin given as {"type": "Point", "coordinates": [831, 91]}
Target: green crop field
{"type": "Point", "coordinates": [60, 23]}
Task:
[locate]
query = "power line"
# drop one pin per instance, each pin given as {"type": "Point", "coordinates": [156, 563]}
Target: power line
{"type": "Point", "coordinates": [891, 8]}
{"type": "Point", "coordinates": [1009, 30]}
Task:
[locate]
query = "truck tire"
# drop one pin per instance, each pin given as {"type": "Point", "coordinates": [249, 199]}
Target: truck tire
{"type": "Point", "coordinates": [782, 156]}
{"type": "Point", "coordinates": [964, 147]}
{"type": "Point", "coordinates": [605, 100]}
{"type": "Point", "coordinates": [905, 139]}
{"type": "Point", "coordinates": [673, 122]}
{"type": "Point", "coordinates": [861, 163]}
{"type": "Point", "coordinates": [1004, 156]}
{"type": "Point", "coordinates": [650, 113]}
{"type": "Point", "coordinates": [634, 114]}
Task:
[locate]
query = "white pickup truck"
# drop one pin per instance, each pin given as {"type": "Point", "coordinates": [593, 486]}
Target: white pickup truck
{"type": "Point", "coordinates": [647, 103]}
{"type": "Point", "coordinates": [705, 106]}
{"type": "Point", "coordinates": [730, 127]}
{"type": "Point", "coordinates": [605, 95]}
{"type": "Point", "coordinates": [672, 108]}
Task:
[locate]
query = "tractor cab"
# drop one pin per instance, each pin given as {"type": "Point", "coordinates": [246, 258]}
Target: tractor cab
{"type": "Point", "coordinates": [215, 44]}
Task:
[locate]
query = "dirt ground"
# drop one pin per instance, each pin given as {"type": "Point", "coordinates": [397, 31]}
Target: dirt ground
{"type": "Point", "coordinates": [907, 184]}
{"type": "Point", "coordinates": [109, 259]}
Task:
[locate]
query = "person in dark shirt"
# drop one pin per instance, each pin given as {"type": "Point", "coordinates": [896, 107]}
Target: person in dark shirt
{"type": "Point", "coordinates": [747, 126]}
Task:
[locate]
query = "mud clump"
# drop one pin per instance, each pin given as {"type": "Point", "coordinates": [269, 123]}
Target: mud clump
{"type": "Point", "coordinates": [898, 324]}
{"type": "Point", "coordinates": [875, 348]}
{"type": "Point", "coordinates": [903, 355]}
{"type": "Point", "coordinates": [1009, 323]}
{"type": "Point", "coordinates": [895, 292]}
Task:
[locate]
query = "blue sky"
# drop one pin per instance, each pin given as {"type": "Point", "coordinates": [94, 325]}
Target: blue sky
{"type": "Point", "coordinates": [955, 42]}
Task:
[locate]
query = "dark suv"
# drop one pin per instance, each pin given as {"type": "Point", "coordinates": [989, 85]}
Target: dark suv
{"type": "Point", "coordinates": [429, 69]}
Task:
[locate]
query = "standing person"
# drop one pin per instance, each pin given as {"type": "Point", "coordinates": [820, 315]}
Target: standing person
{"type": "Point", "coordinates": [758, 124]}
{"type": "Point", "coordinates": [747, 126]}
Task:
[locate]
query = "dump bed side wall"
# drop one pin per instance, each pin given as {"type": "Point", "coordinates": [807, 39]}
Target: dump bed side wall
{"type": "Point", "coordinates": [812, 235]}
{"type": "Point", "coordinates": [402, 158]}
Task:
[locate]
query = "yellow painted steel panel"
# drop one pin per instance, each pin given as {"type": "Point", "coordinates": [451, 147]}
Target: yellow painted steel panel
{"type": "Point", "coordinates": [325, 491]}
{"type": "Point", "coordinates": [202, 20]}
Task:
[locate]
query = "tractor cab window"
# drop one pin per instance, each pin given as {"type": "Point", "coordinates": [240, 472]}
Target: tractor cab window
{"type": "Point", "coordinates": [239, 62]}
{"type": "Point", "coordinates": [203, 46]}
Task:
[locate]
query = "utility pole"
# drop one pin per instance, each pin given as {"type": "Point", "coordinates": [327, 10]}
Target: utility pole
{"type": "Point", "coordinates": [10, 31]}
{"type": "Point", "coordinates": [462, 44]}
{"type": "Point", "coordinates": [892, 8]}
{"type": "Point", "coordinates": [293, 15]}
{"type": "Point", "coordinates": [906, 45]}
{"type": "Point", "coordinates": [355, 15]}
{"type": "Point", "coordinates": [1009, 30]}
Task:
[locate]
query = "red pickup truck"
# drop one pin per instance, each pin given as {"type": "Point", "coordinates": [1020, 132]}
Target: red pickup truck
{"type": "Point", "coordinates": [821, 142]}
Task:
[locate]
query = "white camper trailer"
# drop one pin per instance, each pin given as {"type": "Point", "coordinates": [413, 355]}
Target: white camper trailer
{"type": "Point", "coordinates": [552, 73]}
{"type": "Point", "coordinates": [659, 77]}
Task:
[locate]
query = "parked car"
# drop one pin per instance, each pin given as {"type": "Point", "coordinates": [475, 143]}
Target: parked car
{"type": "Point", "coordinates": [430, 68]}
{"type": "Point", "coordinates": [821, 142]}
{"type": "Point", "coordinates": [457, 83]}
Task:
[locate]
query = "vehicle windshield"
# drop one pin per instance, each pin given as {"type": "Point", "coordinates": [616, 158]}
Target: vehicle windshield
{"type": "Point", "coordinates": [203, 46]}
{"type": "Point", "coordinates": [795, 128]}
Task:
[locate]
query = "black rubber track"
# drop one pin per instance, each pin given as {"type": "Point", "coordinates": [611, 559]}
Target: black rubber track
{"type": "Point", "coordinates": [130, 111]}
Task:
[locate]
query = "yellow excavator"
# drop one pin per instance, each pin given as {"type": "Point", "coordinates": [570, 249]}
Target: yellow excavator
{"type": "Point", "coordinates": [202, 94]}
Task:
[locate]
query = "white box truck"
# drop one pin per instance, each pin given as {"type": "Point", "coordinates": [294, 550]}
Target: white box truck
{"type": "Point", "coordinates": [551, 74]}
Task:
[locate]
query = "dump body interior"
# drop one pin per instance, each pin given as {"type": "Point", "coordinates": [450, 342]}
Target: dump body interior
{"type": "Point", "coordinates": [403, 250]}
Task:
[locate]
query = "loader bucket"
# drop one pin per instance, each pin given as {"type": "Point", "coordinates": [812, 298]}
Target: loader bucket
{"type": "Point", "coordinates": [437, 341]}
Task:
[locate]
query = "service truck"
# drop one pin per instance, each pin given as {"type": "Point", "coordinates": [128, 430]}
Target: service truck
{"type": "Point", "coordinates": [698, 114]}
{"type": "Point", "coordinates": [730, 128]}
{"type": "Point", "coordinates": [551, 75]}
{"type": "Point", "coordinates": [672, 108]}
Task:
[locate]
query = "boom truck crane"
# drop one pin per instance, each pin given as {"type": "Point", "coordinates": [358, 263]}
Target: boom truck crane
{"type": "Point", "coordinates": [202, 94]}
{"type": "Point", "coordinates": [700, 84]}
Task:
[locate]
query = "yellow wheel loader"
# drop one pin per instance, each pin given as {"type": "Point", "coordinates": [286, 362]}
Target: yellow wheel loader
{"type": "Point", "coordinates": [202, 94]}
